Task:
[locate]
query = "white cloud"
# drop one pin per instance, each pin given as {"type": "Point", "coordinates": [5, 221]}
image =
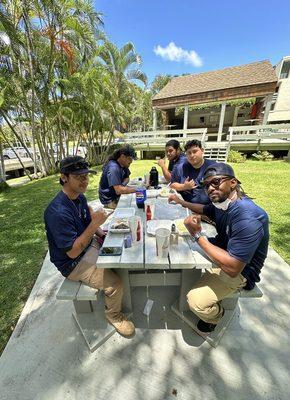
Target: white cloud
{"type": "Point", "coordinates": [173, 53]}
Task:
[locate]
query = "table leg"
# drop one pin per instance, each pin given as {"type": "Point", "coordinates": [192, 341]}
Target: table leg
{"type": "Point", "coordinates": [188, 278]}
{"type": "Point", "coordinates": [127, 302]}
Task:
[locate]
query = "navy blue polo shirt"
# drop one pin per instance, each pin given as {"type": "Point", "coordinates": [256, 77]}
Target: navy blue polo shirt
{"type": "Point", "coordinates": [179, 160]}
{"type": "Point", "coordinates": [65, 220]}
{"type": "Point", "coordinates": [113, 175]}
{"type": "Point", "coordinates": [184, 170]}
{"type": "Point", "coordinates": [243, 231]}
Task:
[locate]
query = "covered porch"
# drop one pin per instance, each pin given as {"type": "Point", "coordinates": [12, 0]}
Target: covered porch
{"type": "Point", "coordinates": [217, 100]}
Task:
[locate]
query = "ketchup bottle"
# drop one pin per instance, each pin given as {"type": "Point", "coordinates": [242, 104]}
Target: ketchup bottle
{"type": "Point", "coordinates": [138, 232]}
{"type": "Point", "coordinates": [148, 212]}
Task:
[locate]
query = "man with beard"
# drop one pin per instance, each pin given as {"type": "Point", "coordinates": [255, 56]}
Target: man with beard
{"type": "Point", "coordinates": [239, 249]}
{"type": "Point", "coordinates": [175, 156]}
{"type": "Point", "coordinates": [73, 234]}
{"type": "Point", "coordinates": [186, 177]}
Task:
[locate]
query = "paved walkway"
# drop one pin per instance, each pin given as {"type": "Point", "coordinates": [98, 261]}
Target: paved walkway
{"type": "Point", "coordinates": [47, 358]}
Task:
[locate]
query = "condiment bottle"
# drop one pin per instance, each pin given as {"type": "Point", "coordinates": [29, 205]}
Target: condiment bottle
{"type": "Point", "coordinates": [148, 212]}
{"type": "Point", "coordinates": [138, 231]}
{"type": "Point", "coordinates": [173, 235]}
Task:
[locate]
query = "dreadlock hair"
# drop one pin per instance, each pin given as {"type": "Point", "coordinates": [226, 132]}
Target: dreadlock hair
{"type": "Point", "coordinates": [127, 150]}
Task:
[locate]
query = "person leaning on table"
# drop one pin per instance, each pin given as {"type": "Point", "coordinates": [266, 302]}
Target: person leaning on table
{"type": "Point", "coordinates": [73, 233]}
{"type": "Point", "coordinates": [186, 176]}
{"type": "Point", "coordinates": [115, 176]}
{"type": "Point", "coordinates": [239, 249]}
{"type": "Point", "coordinates": [175, 156]}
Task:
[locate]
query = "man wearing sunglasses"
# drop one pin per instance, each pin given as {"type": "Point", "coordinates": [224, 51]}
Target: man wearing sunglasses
{"type": "Point", "coordinates": [186, 177]}
{"type": "Point", "coordinates": [73, 233]}
{"type": "Point", "coordinates": [239, 249]}
{"type": "Point", "coordinates": [115, 176]}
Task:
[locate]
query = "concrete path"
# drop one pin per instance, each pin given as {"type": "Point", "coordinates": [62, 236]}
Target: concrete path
{"type": "Point", "coordinates": [47, 358]}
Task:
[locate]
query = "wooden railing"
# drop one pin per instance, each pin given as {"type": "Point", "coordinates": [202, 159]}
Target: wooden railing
{"type": "Point", "coordinates": [156, 137]}
{"type": "Point", "coordinates": [258, 132]}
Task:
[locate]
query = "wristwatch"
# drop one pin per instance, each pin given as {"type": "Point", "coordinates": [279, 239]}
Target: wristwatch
{"type": "Point", "coordinates": [196, 236]}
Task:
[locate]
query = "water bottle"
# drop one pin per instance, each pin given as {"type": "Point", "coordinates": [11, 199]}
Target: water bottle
{"type": "Point", "coordinates": [153, 178]}
{"type": "Point", "coordinates": [140, 194]}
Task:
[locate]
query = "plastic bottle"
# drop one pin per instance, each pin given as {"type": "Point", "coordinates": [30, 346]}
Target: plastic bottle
{"type": "Point", "coordinates": [140, 194]}
{"type": "Point", "coordinates": [153, 177]}
{"type": "Point", "coordinates": [148, 213]}
{"type": "Point", "coordinates": [138, 231]}
{"type": "Point", "coordinates": [173, 235]}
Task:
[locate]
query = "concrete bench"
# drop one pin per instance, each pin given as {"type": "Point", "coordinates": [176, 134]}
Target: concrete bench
{"type": "Point", "coordinates": [230, 306]}
{"type": "Point", "coordinates": [230, 302]}
{"type": "Point", "coordinates": [88, 312]}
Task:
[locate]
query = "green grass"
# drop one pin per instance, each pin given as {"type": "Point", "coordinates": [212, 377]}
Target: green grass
{"type": "Point", "coordinates": [23, 243]}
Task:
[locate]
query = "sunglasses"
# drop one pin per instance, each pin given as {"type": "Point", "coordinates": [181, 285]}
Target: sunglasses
{"type": "Point", "coordinates": [215, 183]}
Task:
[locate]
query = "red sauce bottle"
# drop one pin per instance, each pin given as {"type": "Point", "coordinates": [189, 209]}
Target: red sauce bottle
{"type": "Point", "coordinates": [148, 213]}
{"type": "Point", "coordinates": [138, 231]}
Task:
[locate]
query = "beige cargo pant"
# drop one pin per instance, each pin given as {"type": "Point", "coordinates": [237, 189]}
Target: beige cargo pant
{"type": "Point", "coordinates": [98, 278]}
{"type": "Point", "coordinates": [204, 299]}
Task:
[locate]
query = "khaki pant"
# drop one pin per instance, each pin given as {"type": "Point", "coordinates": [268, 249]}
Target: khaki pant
{"type": "Point", "coordinates": [85, 271]}
{"type": "Point", "coordinates": [205, 297]}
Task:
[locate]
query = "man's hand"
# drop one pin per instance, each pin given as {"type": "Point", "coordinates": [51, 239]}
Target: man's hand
{"type": "Point", "coordinates": [193, 223]}
{"type": "Point", "coordinates": [189, 184]}
{"type": "Point", "coordinates": [98, 218]}
{"type": "Point", "coordinates": [161, 162]}
{"type": "Point", "coordinates": [174, 198]}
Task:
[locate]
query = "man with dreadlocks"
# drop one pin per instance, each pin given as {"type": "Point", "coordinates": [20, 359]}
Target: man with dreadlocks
{"type": "Point", "coordinates": [239, 249]}
{"type": "Point", "coordinates": [115, 176]}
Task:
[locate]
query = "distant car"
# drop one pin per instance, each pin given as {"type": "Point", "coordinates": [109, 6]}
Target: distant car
{"type": "Point", "coordinates": [8, 153]}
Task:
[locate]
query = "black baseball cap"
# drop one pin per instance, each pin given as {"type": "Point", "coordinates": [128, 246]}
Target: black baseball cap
{"type": "Point", "coordinates": [219, 169]}
{"type": "Point", "coordinates": [75, 165]}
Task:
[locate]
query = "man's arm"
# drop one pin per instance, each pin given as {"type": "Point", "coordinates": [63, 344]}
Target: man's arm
{"type": "Point", "coordinates": [79, 245]}
{"type": "Point", "coordinates": [196, 208]}
{"type": "Point", "coordinates": [186, 185]}
{"type": "Point", "coordinates": [165, 171]}
{"type": "Point", "coordinates": [230, 265]}
{"type": "Point", "coordinates": [120, 189]}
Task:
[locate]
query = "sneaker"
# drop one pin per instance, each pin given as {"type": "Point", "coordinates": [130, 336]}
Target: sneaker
{"type": "Point", "coordinates": [121, 324]}
{"type": "Point", "coordinates": [207, 327]}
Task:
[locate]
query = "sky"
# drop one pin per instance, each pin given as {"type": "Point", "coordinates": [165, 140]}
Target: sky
{"type": "Point", "coordinates": [192, 36]}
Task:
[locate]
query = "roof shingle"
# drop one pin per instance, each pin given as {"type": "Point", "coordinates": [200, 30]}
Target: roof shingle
{"type": "Point", "coordinates": [244, 75]}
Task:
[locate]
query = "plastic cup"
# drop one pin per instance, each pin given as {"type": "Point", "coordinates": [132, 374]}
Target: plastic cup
{"type": "Point", "coordinates": [162, 242]}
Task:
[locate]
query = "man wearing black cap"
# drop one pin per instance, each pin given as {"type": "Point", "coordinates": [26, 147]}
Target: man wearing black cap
{"type": "Point", "coordinates": [71, 228]}
{"type": "Point", "coordinates": [239, 249]}
{"type": "Point", "coordinates": [115, 176]}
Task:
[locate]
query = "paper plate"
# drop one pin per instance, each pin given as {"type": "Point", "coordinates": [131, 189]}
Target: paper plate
{"type": "Point", "coordinates": [158, 223]}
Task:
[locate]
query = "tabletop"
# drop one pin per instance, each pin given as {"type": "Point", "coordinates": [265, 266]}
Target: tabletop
{"type": "Point", "coordinates": [185, 255]}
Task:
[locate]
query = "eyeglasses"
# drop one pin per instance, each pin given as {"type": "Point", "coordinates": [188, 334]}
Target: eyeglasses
{"type": "Point", "coordinates": [215, 183]}
{"type": "Point", "coordinates": [81, 177]}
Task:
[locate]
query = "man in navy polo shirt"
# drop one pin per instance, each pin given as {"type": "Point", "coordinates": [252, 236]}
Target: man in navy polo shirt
{"type": "Point", "coordinates": [187, 176]}
{"type": "Point", "coordinates": [71, 228]}
{"type": "Point", "coordinates": [239, 249]}
{"type": "Point", "coordinates": [175, 156]}
{"type": "Point", "coordinates": [115, 176]}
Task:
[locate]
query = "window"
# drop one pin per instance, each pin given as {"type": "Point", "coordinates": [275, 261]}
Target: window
{"type": "Point", "coordinates": [201, 120]}
{"type": "Point", "coordinates": [285, 70]}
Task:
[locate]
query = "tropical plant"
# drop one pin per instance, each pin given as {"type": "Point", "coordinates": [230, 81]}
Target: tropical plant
{"type": "Point", "coordinates": [236, 157]}
{"type": "Point", "coordinates": [263, 156]}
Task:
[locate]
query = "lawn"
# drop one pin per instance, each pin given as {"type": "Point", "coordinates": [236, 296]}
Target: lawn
{"type": "Point", "coordinates": [23, 243]}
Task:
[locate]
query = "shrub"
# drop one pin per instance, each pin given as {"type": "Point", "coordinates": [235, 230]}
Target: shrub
{"type": "Point", "coordinates": [263, 156]}
{"type": "Point", "coordinates": [236, 157]}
